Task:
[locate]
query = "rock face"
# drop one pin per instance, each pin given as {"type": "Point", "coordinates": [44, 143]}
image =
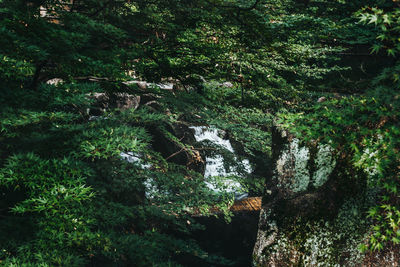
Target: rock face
{"type": "Point", "coordinates": [310, 215]}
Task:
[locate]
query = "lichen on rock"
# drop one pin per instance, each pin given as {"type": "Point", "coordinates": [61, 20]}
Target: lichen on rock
{"type": "Point", "coordinates": [322, 242]}
{"type": "Point", "coordinates": [291, 167]}
{"type": "Point", "coordinates": [325, 164]}
{"type": "Point", "coordinates": [311, 217]}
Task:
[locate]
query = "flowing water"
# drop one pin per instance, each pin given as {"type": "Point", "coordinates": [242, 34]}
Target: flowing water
{"type": "Point", "coordinates": [218, 178]}
{"type": "Point", "coordinates": [215, 165]}
{"type": "Point", "coordinates": [232, 241]}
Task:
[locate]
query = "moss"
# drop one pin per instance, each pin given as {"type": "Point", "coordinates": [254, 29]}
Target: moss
{"type": "Point", "coordinates": [324, 242]}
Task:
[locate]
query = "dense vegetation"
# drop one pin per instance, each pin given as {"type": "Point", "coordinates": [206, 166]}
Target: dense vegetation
{"type": "Point", "coordinates": [67, 197]}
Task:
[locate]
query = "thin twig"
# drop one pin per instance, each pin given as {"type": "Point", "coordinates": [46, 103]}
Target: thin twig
{"type": "Point", "coordinates": [174, 154]}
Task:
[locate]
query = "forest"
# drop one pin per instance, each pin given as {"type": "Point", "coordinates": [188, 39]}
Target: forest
{"type": "Point", "coordinates": [199, 133]}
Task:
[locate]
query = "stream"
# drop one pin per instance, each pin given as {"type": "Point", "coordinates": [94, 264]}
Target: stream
{"type": "Point", "coordinates": [234, 241]}
{"type": "Point", "coordinates": [215, 165]}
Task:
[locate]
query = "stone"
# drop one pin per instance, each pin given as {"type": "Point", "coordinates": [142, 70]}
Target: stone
{"type": "Point", "coordinates": [304, 184]}
{"type": "Point", "coordinates": [141, 84]}
{"type": "Point", "coordinates": [324, 162]}
{"type": "Point", "coordinates": [314, 211]}
{"type": "Point", "coordinates": [55, 81]}
{"type": "Point", "coordinates": [101, 103]}
{"type": "Point", "coordinates": [144, 85]}
{"type": "Point", "coordinates": [121, 101]}
{"type": "Point", "coordinates": [227, 84]}
{"type": "Point", "coordinates": [300, 167]}
{"type": "Point", "coordinates": [126, 101]}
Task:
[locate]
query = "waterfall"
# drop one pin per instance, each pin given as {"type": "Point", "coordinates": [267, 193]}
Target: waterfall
{"type": "Point", "coordinates": [218, 179]}
{"type": "Point", "coordinates": [215, 164]}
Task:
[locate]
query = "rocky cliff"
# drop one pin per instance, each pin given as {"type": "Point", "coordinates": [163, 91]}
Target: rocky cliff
{"type": "Point", "coordinates": [314, 212]}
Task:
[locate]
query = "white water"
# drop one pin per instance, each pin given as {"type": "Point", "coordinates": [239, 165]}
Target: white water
{"type": "Point", "coordinates": [215, 172]}
{"type": "Point", "coordinates": [150, 189]}
{"type": "Point", "coordinates": [202, 133]}
{"type": "Point", "coordinates": [215, 165]}
{"type": "Point", "coordinates": [135, 158]}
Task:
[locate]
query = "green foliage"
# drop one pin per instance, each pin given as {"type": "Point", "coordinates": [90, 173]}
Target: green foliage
{"type": "Point", "coordinates": [76, 200]}
{"type": "Point", "coordinates": [69, 197]}
{"type": "Point", "coordinates": [365, 127]}
{"type": "Point", "coordinates": [53, 206]}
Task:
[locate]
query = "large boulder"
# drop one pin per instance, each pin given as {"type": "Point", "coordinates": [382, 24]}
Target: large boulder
{"type": "Point", "coordinates": [310, 206]}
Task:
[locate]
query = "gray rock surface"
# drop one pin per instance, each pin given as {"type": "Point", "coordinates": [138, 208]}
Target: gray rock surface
{"type": "Point", "coordinates": [306, 186]}
{"type": "Point", "coordinates": [103, 101]}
